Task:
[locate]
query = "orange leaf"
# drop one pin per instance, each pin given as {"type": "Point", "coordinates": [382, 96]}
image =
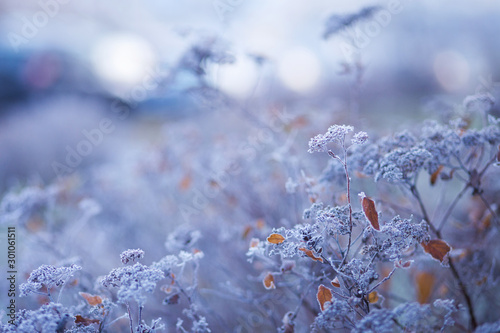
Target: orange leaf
{"type": "Point", "coordinates": [300, 121]}
{"type": "Point", "coordinates": [360, 174]}
{"type": "Point", "coordinates": [435, 174]}
{"type": "Point", "coordinates": [174, 299]}
{"type": "Point", "coordinates": [324, 295]}
{"type": "Point", "coordinates": [287, 266]}
{"type": "Point", "coordinates": [425, 284]}
{"type": "Point", "coordinates": [246, 231]}
{"type": "Point", "coordinates": [481, 281]}
{"type": "Point", "coordinates": [166, 289]}
{"type": "Point", "coordinates": [185, 183]}
{"type": "Point", "coordinates": [403, 264]}
{"type": "Point", "coordinates": [371, 212]}
{"type": "Point", "coordinates": [335, 282]}
{"type": "Point", "coordinates": [35, 224]}
{"type": "Point", "coordinates": [254, 242]}
{"type": "Point", "coordinates": [85, 321]}
{"type": "Point", "coordinates": [91, 299]}
{"type": "Point", "coordinates": [373, 297]}
{"type": "Point", "coordinates": [269, 281]}
{"type": "Point", "coordinates": [260, 224]}
{"type": "Point", "coordinates": [310, 254]}
{"type": "Point", "coordinates": [437, 248]}
{"type": "Point", "coordinates": [275, 239]}
{"type": "Point", "coordinates": [485, 223]}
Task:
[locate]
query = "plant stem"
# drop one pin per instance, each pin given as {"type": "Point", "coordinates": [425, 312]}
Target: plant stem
{"type": "Point", "coordinates": [348, 180]}
{"type": "Point", "coordinates": [454, 270]}
{"type": "Point", "coordinates": [130, 318]}
{"type": "Point", "coordinates": [452, 206]}
{"type": "Point", "coordinates": [416, 194]}
{"type": "Point", "coordinates": [463, 289]}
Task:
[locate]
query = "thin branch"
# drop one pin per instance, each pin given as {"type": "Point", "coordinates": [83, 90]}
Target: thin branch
{"type": "Point", "coordinates": [296, 311]}
{"type": "Point", "coordinates": [348, 180]}
{"type": "Point", "coordinates": [382, 281]}
{"type": "Point", "coordinates": [416, 194]}
{"type": "Point", "coordinates": [130, 318]}
{"type": "Point", "coordinates": [452, 206]}
{"type": "Point", "coordinates": [461, 284]}
{"type": "Point", "coordinates": [492, 212]}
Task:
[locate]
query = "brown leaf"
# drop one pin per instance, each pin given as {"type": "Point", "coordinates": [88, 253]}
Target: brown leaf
{"type": "Point", "coordinates": [289, 328]}
{"type": "Point", "coordinates": [93, 300]}
{"type": "Point", "coordinates": [260, 224]}
{"type": "Point", "coordinates": [335, 282]}
{"type": "Point", "coordinates": [287, 266]}
{"type": "Point", "coordinates": [246, 231]}
{"type": "Point", "coordinates": [35, 223]}
{"type": "Point", "coordinates": [437, 248]}
{"type": "Point", "coordinates": [435, 174]}
{"type": "Point", "coordinates": [481, 281]}
{"type": "Point", "coordinates": [269, 281]}
{"type": "Point", "coordinates": [288, 324]}
{"type": "Point", "coordinates": [498, 154]}
{"type": "Point", "coordinates": [310, 254]}
{"type": "Point", "coordinates": [254, 242]}
{"type": "Point", "coordinates": [324, 295]}
{"type": "Point", "coordinates": [360, 174]}
{"type": "Point", "coordinates": [425, 284]}
{"type": "Point", "coordinates": [275, 239]}
{"type": "Point", "coordinates": [185, 182]}
{"type": "Point", "coordinates": [174, 299]}
{"type": "Point", "coordinates": [475, 181]}
{"type": "Point", "coordinates": [300, 121]}
{"type": "Point", "coordinates": [371, 212]}
{"type": "Point", "coordinates": [373, 297]}
{"type": "Point", "coordinates": [166, 289]}
{"type": "Point", "coordinates": [485, 223]}
{"type": "Point", "coordinates": [403, 264]}
{"type": "Point", "coordinates": [85, 321]}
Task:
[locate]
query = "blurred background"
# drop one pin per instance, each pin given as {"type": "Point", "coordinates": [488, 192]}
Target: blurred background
{"type": "Point", "coordinates": [65, 64]}
{"type": "Point", "coordinates": [129, 124]}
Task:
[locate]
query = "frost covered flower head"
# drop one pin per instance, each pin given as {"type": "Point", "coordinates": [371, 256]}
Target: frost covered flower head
{"type": "Point", "coordinates": [336, 134]}
{"type": "Point", "coordinates": [49, 276]}
{"type": "Point", "coordinates": [359, 138]}
{"type": "Point", "coordinates": [131, 255]}
{"type": "Point", "coordinates": [133, 282]}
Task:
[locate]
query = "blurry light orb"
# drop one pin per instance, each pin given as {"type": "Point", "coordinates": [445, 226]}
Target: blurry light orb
{"type": "Point", "coordinates": [238, 79]}
{"type": "Point", "coordinates": [123, 58]}
{"type": "Point", "coordinates": [299, 69]}
{"type": "Point", "coordinates": [451, 69]}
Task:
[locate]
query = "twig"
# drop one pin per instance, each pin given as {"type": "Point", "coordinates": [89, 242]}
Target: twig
{"type": "Point", "coordinates": [382, 281]}
{"type": "Point", "coordinates": [488, 207]}
{"type": "Point", "coordinates": [416, 194]}
{"type": "Point", "coordinates": [348, 180]}
{"type": "Point", "coordinates": [465, 293]}
{"type": "Point", "coordinates": [296, 311]}
{"type": "Point", "coordinates": [451, 207]}
{"type": "Point", "coordinates": [130, 318]}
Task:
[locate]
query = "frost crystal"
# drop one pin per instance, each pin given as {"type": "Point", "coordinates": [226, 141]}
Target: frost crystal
{"type": "Point", "coordinates": [335, 134]}
{"type": "Point", "coordinates": [50, 317]}
{"type": "Point", "coordinates": [133, 282]}
{"type": "Point", "coordinates": [131, 255]}
{"type": "Point", "coordinates": [47, 275]}
{"type": "Point", "coordinates": [360, 138]}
